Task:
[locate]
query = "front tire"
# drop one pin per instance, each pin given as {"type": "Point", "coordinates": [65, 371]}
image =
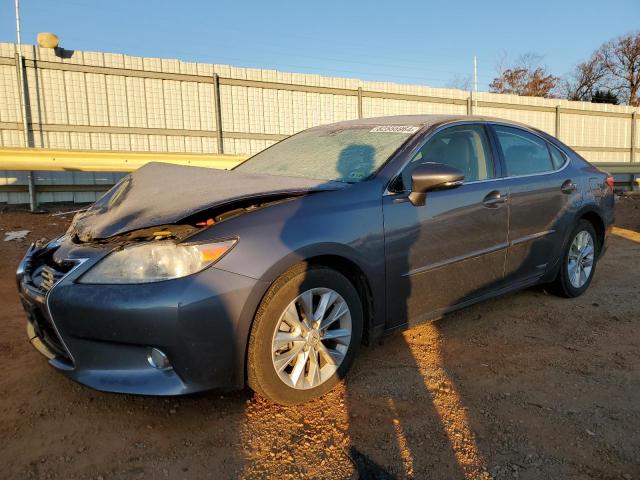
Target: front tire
{"type": "Point", "coordinates": [578, 262]}
{"type": "Point", "coordinates": [305, 335]}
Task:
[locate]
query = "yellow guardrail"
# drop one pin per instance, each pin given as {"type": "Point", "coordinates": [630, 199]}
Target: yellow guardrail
{"type": "Point", "coordinates": [43, 159]}
{"type": "Point", "coordinates": [105, 161]}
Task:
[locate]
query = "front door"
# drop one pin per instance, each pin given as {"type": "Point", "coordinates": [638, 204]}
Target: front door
{"type": "Point", "coordinates": [452, 249]}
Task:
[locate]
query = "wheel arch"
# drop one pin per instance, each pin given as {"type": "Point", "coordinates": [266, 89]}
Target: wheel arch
{"type": "Point", "coordinates": [594, 218]}
{"type": "Point", "coordinates": [590, 214]}
{"type": "Point", "coordinates": [342, 260]}
{"type": "Point", "coordinates": [356, 275]}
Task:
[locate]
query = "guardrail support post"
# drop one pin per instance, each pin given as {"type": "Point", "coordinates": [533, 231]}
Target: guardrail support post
{"type": "Point", "coordinates": [22, 83]}
{"type": "Point", "coordinates": [634, 117]}
{"type": "Point", "coordinates": [217, 106]}
{"type": "Point", "coordinates": [359, 102]}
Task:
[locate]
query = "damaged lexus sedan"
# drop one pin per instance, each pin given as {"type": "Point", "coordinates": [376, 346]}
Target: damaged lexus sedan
{"type": "Point", "coordinates": [183, 279]}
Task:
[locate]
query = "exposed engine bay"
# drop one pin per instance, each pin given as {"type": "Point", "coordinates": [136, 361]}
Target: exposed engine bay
{"type": "Point", "coordinates": [189, 226]}
{"type": "Point", "coordinates": [171, 201]}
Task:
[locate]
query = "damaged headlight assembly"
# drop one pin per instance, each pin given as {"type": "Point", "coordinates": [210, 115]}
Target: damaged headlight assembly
{"type": "Point", "coordinates": [156, 261]}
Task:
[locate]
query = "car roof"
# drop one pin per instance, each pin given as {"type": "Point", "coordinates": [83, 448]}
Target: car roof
{"type": "Point", "coordinates": [419, 120]}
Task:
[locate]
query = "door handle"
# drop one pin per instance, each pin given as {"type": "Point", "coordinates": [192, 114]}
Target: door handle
{"type": "Point", "coordinates": [494, 199]}
{"type": "Point", "coordinates": [568, 187]}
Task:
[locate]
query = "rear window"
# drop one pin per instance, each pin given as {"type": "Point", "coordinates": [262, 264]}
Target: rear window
{"type": "Point", "coordinates": [557, 157]}
{"type": "Point", "coordinates": [524, 153]}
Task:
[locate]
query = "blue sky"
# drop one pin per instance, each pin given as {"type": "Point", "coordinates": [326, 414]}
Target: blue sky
{"type": "Point", "coordinates": [409, 41]}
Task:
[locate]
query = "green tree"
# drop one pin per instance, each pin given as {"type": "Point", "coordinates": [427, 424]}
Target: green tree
{"type": "Point", "coordinates": [604, 96]}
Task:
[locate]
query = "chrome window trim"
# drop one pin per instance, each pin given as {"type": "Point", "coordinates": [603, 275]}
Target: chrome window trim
{"type": "Point", "coordinates": [387, 190]}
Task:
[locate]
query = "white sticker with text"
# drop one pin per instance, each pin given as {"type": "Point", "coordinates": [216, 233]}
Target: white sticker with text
{"type": "Point", "coordinates": [394, 129]}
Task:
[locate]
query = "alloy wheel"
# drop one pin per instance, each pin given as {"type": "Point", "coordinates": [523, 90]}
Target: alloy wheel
{"type": "Point", "coordinates": [311, 338]}
{"type": "Point", "coordinates": [581, 257]}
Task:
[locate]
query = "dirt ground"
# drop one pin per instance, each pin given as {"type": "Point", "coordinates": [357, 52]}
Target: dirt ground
{"type": "Point", "coordinates": [526, 386]}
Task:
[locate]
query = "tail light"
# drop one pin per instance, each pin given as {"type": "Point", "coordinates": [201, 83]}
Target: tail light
{"type": "Point", "coordinates": [610, 182]}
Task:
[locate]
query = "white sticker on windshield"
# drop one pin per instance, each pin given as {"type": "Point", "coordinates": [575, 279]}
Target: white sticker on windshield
{"type": "Point", "coordinates": [394, 129]}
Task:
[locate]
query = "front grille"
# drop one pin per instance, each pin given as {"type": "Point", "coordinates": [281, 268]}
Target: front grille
{"type": "Point", "coordinates": [45, 272]}
{"type": "Point", "coordinates": [48, 277]}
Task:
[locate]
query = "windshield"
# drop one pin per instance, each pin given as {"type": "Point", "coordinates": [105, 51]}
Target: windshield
{"type": "Point", "coordinates": [346, 154]}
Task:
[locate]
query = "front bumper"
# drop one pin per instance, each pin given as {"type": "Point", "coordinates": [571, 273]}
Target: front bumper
{"type": "Point", "coordinates": [101, 335]}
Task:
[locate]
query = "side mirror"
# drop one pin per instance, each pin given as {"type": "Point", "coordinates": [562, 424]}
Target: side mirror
{"type": "Point", "coordinates": [432, 176]}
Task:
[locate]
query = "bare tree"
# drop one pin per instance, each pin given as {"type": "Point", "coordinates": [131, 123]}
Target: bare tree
{"type": "Point", "coordinates": [586, 78]}
{"type": "Point", "coordinates": [525, 77]}
{"type": "Point", "coordinates": [621, 58]}
{"type": "Point", "coordinates": [460, 82]}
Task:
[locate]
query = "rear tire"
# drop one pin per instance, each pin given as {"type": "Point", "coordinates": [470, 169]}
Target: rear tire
{"type": "Point", "coordinates": [579, 261]}
{"type": "Point", "coordinates": [292, 324]}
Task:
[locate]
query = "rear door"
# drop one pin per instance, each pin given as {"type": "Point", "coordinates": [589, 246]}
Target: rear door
{"type": "Point", "coordinates": [451, 249]}
{"type": "Point", "coordinates": [540, 191]}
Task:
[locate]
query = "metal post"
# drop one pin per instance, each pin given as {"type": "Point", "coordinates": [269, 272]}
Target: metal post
{"type": "Point", "coordinates": [359, 102]}
{"type": "Point", "coordinates": [470, 104]}
{"type": "Point", "coordinates": [475, 81]}
{"type": "Point", "coordinates": [558, 122]}
{"type": "Point", "coordinates": [33, 201]}
{"type": "Point", "coordinates": [634, 118]}
{"type": "Point", "coordinates": [217, 105]}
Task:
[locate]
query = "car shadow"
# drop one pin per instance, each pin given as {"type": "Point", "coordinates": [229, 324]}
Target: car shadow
{"type": "Point", "coordinates": [393, 431]}
{"type": "Point", "coordinates": [418, 427]}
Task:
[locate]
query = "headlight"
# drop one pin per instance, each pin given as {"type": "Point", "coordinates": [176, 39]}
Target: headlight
{"type": "Point", "coordinates": [155, 261]}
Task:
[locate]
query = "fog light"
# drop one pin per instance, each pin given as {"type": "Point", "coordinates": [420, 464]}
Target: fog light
{"type": "Point", "coordinates": [158, 359]}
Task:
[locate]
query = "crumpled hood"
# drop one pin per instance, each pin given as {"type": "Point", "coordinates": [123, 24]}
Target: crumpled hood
{"type": "Point", "coordinates": [162, 193]}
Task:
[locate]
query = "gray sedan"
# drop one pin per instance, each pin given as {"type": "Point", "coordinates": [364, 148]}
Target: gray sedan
{"type": "Point", "coordinates": [182, 279]}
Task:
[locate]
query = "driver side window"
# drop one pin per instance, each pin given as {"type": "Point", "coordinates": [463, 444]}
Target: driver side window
{"type": "Point", "coordinates": [465, 147]}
